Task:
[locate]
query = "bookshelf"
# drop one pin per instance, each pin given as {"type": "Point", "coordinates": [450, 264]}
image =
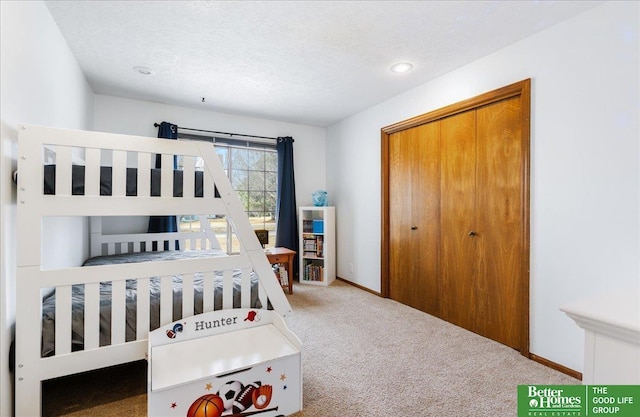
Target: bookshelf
{"type": "Point", "coordinates": [317, 252]}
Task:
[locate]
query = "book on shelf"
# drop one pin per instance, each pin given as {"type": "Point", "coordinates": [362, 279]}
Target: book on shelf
{"type": "Point", "coordinates": [313, 226]}
{"type": "Point", "coordinates": [309, 244]}
{"type": "Point", "coordinates": [284, 276]}
{"type": "Point", "coordinates": [281, 274]}
{"type": "Point", "coordinates": [319, 246]}
{"type": "Point", "coordinates": [307, 226]}
{"type": "Point", "coordinates": [313, 246]}
{"type": "Point", "coordinates": [313, 272]}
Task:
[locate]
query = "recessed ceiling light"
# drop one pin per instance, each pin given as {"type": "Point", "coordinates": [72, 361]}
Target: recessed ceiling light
{"type": "Point", "coordinates": [144, 70]}
{"type": "Point", "coordinates": [401, 67]}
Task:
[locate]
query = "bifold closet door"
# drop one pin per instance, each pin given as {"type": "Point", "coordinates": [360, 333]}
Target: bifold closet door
{"type": "Point", "coordinates": [414, 184]}
{"type": "Point", "coordinates": [458, 295]}
{"type": "Point", "coordinates": [456, 219]}
{"type": "Point", "coordinates": [500, 220]}
{"type": "Point", "coordinates": [482, 221]}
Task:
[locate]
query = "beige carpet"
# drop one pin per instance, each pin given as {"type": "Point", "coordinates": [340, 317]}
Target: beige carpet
{"type": "Point", "coordinates": [363, 356]}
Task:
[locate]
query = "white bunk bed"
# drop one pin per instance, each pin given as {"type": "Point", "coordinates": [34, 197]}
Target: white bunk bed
{"type": "Point", "coordinates": [127, 341]}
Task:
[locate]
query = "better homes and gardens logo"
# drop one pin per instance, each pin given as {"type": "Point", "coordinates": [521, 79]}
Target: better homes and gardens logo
{"type": "Point", "coordinates": [542, 400]}
{"type": "Point", "coordinates": [578, 400]}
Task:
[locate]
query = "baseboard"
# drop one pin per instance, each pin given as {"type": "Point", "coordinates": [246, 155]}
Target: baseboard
{"type": "Point", "coordinates": [556, 366]}
{"type": "Point", "coordinates": [369, 290]}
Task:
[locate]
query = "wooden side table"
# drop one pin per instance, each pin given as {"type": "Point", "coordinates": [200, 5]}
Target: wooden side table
{"type": "Point", "coordinates": [283, 256]}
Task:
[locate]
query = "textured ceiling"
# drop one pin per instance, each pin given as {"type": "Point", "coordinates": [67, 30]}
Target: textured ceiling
{"type": "Point", "coordinates": [309, 62]}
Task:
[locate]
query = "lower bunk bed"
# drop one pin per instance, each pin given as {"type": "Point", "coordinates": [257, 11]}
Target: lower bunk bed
{"type": "Point", "coordinates": [206, 292]}
{"type": "Point", "coordinates": [78, 318]}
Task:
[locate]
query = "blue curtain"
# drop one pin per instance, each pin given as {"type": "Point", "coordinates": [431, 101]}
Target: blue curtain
{"type": "Point", "coordinates": [160, 224]}
{"type": "Point", "coordinates": [286, 212]}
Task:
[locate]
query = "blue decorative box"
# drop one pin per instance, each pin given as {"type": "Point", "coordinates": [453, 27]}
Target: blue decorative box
{"type": "Point", "coordinates": [318, 226]}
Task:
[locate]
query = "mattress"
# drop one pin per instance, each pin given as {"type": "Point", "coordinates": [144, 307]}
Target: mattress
{"type": "Point", "coordinates": [77, 311]}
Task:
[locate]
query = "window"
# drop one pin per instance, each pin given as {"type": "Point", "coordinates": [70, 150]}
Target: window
{"type": "Point", "coordinates": [252, 168]}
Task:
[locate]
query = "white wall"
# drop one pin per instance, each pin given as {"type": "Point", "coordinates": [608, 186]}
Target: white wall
{"type": "Point", "coordinates": [40, 83]}
{"type": "Point", "coordinates": [585, 178]}
{"type": "Point", "coordinates": [136, 117]}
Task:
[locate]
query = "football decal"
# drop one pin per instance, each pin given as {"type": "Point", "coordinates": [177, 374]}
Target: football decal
{"type": "Point", "coordinates": [244, 399]}
{"type": "Point", "coordinates": [209, 405]}
{"type": "Point", "coordinates": [228, 392]}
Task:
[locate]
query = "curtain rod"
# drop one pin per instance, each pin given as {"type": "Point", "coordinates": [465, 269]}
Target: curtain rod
{"type": "Point", "coordinates": [222, 133]}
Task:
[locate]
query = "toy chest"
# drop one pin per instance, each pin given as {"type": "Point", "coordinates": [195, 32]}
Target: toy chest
{"type": "Point", "coordinates": [237, 362]}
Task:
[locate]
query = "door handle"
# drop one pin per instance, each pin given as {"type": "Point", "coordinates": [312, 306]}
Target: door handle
{"type": "Point", "coordinates": [471, 233]}
{"type": "Point", "coordinates": [414, 227]}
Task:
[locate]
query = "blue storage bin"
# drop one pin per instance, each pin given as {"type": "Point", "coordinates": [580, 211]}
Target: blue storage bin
{"type": "Point", "coordinates": [318, 226]}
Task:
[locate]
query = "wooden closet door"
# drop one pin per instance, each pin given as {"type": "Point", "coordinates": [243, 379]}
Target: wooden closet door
{"type": "Point", "coordinates": [414, 189]}
{"type": "Point", "coordinates": [500, 222]}
{"type": "Point", "coordinates": [458, 298]}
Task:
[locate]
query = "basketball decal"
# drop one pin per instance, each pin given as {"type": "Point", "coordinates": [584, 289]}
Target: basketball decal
{"type": "Point", "coordinates": [209, 405]}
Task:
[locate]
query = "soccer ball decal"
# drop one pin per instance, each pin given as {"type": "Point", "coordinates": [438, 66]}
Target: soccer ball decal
{"type": "Point", "coordinates": [228, 392]}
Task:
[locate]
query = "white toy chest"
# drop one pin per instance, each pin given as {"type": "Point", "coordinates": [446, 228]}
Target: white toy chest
{"type": "Point", "coordinates": [236, 362]}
